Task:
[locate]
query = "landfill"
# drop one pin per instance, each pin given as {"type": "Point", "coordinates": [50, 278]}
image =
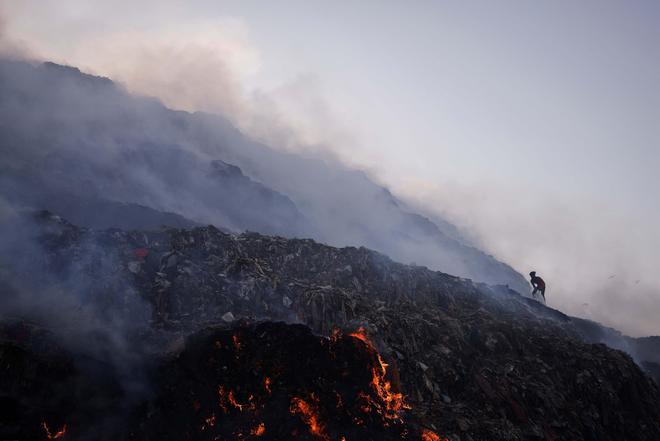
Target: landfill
{"type": "Point", "coordinates": [250, 336]}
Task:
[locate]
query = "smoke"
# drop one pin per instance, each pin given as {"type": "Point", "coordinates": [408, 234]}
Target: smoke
{"type": "Point", "coordinates": [110, 145]}
{"type": "Point", "coordinates": [598, 263]}
{"type": "Point", "coordinates": [208, 66]}
{"type": "Point", "coordinates": [196, 66]}
{"type": "Point", "coordinates": [87, 298]}
{"type": "Point", "coordinates": [9, 47]}
{"type": "Point", "coordinates": [198, 74]}
{"type": "Point", "coordinates": [82, 296]}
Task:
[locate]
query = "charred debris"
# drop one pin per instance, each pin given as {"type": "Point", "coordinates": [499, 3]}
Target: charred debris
{"type": "Point", "coordinates": [198, 334]}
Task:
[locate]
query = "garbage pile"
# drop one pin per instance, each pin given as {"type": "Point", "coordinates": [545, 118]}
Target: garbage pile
{"type": "Point", "coordinates": [472, 362]}
{"type": "Point", "coordinates": [275, 381]}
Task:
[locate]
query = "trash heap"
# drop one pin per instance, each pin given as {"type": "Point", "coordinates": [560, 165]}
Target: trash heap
{"type": "Point", "coordinates": [470, 361]}
{"type": "Point", "coordinates": [275, 381]}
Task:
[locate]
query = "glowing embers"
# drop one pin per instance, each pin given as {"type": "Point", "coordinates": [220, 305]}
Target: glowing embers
{"type": "Point", "coordinates": [258, 430]}
{"type": "Point", "coordinates": [53, 435]}
{"type": "Point", "coordinates": [237, 342]}
{"type": "Point", "coordinates": [208, 422]}
{"type": "Point", "coordinates": [228, 399]}
{"type": "Point", "coordinates": [279, 382]}
{"type": "Point", "coordinates": [308, 411]}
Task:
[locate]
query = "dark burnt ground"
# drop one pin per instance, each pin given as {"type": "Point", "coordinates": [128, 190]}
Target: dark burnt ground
{"type": "Point", "coordinates": [44, 389]}
{"type": "Point", "coordinates": [269, 381]}
{"type": "Point", "coordinates": [275, 382]}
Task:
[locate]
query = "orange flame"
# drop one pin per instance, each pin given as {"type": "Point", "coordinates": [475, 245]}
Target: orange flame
{"type": "Point", "coordinates": [267, 383]}
{"type": "Point", "coordinates": [429, 435]}
{"type": "Point", "coordinates": [309, 415]}
{"type": "Point", "coordinates": [229, 398]}
{"type": "Point", "coordinates": [361, 334]}
{"type": "Point", "coordinates": [259, 430]}
{"type": "Point", "coordinates": [55, 435]}
{"type": "Point", "coordinates": [233, 401]}
{"type": "Point", "coordinates": [394, 402]}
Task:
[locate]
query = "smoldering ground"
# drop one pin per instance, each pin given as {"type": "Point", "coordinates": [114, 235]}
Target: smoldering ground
{"type": "Point", "coordinates": [86, 306]}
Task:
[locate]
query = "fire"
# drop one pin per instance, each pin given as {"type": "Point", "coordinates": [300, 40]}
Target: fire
{"type": "Point", "coordinates": [309, 415]}
{"type": "Point", "coordinates": [229, 398]}
{"type": "Point", "coordinates": [371, 402]}
{"type": "Point", "coordinates": [259, 430]}
{"type": "Point", "coordinates": [55, 435]}
{"type": "Point", "coordinates": [361, 334]}
{"type": "Point", "coordinates": [233, 401]}
{"type": "Point", "coordinates": [429, 435]}
{"type": "Point", "coordinates": [394, 402]}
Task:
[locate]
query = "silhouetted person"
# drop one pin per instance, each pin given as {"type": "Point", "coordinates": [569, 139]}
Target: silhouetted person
{"type": "Point", "coordinates": [538, 284]}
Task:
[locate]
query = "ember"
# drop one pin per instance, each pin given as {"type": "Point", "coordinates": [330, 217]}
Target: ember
{"type": "Point", "coordinates": [208, 422]}
{"type": "Point", "coordinates": [56, 435]}
{"type": "Point", "coordinates": [222, 399]}
{"type": "Point", "coordinates": [237, 342]}
{"type": "Point", "coordinates": [309, 414]}
{"type": "Point", "coordinates": [259, 430]}
{"type": "Point", "coordinates": [229, 398]}
{"type": "Point", "coordinates": [239, 406]}
{"type": "Point", "coordinates": [429, 435]}
{"type": "Point", "coordinates": [309, 388]}
{"type": "Point", "coordinates": [361, 334]}
{"type": "Point", "coordinates": [233, 401]}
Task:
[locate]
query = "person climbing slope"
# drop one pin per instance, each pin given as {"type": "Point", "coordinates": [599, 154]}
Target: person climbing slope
{"type": "Point", "coordinates": [538, 284]}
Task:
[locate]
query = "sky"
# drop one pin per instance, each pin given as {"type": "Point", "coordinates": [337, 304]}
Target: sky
{"type": "Point", "coordinates": [533, 126]}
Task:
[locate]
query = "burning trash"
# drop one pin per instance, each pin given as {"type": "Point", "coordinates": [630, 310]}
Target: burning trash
{"type": "Point", "coordinates": [53, 435]}
{"type": "Point", "coordinates": [429, 435]}
{"type": "Point", "coordinates": [468, 364]}
{"type": "Point", "coordinates": [308, 410]}
{"type": "Point", "coordinates": [281, 382]}
{"type": "Point", "coordinates": [259, 430]}
{"type": "Point", "coordinates": [390, 404]}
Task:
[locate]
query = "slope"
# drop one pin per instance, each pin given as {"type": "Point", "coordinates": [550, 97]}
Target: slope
{"type": "Point", "coordinates": [474, 362]}
{"type": "Point", "coordinates": [67, 134]}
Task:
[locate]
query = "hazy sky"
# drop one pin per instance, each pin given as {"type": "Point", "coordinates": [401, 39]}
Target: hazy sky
{"type": "Point", "coordinates": [533, 125]}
